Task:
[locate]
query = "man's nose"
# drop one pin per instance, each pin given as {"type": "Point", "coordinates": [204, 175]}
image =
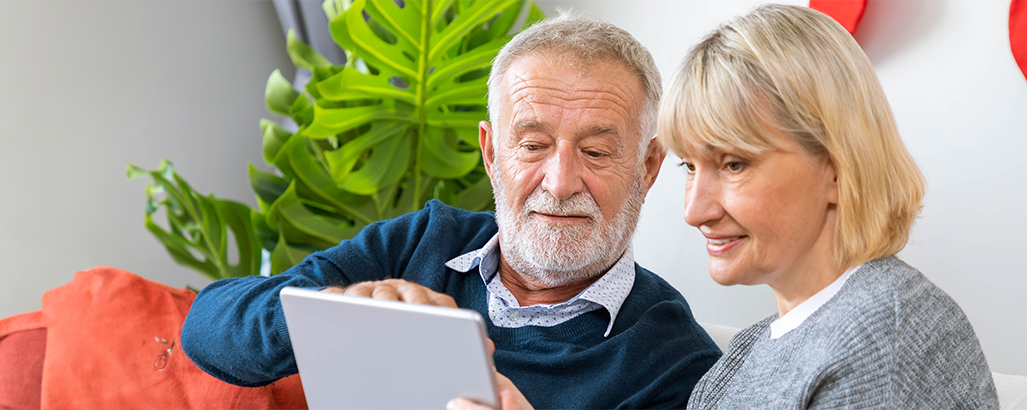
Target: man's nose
{"type": "Point", "coordinates": [563, 172]}
{"type": "Point", "coordinates": [703, 200]}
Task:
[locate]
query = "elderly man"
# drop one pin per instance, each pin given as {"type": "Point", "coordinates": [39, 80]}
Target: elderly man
{"type": "Point", "coordinates": [575, 321]}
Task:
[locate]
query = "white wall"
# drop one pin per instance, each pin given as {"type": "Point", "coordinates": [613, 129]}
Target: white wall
{"type": "Point", "coordinates": [961, 104]}
{"type": "Point", "coordinates": [87, 87]}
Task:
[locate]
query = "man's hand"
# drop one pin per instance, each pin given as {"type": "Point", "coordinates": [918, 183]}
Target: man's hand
{"type": "Point", "coordinates": [510, 398]}
{"type": "Point", "coordinates": [396, 289]}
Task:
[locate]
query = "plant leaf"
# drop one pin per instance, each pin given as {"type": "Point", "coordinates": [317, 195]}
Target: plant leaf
{"type": "Point", "coordinates": [332, 121]}
{"type": "Point", "coordinates": [385, 166]}
{"type": "Point", "coordinates": [274, 136]}
{"type": "Point", "coordinates": [477, 197]}
{"type": "Point", "coordinates": [350, 84]}
{"type": "Point", "coordinates": [302, 55]}
{"type": "Point", "coordinates": [354, 34]}
{"type": "Point", "coordinates": [535, 15]}
{"type": "Point", "coordinates": [468, 19]}
{"type": "Point", "coordinates": [279, 94]}
{"type": "Point", "coordinates": [440, 160]}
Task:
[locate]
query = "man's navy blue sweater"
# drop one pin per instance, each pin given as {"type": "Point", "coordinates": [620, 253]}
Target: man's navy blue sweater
{"type": "Point", "coordinates": [655, 354]}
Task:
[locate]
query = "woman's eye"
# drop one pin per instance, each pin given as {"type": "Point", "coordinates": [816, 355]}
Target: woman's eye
{"type": "Point", "coordinates": [688, 166]}
{"type": "Point", "coordinates": [735, 166]}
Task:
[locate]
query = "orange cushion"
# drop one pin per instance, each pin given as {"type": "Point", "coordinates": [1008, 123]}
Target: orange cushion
{"type": "Point", "coordinates": [112, 342]}
{"type": "Point", "coordinates": [22, 347]}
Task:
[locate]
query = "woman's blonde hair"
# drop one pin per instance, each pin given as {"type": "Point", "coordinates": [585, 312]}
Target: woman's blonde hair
{"type": "Point", "coordinates": [797, 70]}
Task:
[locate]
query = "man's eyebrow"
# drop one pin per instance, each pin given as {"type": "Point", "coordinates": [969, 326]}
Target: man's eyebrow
{"type": "Point", "coordinates": [596, 130]}
{"type": "Point", "coordinates": [528, 125]}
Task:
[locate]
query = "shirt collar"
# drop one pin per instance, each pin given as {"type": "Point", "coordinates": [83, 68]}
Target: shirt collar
{"type": "Point", "coordinates": [609, 291]}
{"type": "Point", "coordinates": [795, 317]}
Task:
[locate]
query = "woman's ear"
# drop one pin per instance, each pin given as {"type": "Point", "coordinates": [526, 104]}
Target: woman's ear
{"type": "Point", "coordinates": [831, 179]}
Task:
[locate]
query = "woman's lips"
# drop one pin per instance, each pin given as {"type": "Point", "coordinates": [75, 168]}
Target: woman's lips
{"type": "Point", "coordinates": [720, 245]}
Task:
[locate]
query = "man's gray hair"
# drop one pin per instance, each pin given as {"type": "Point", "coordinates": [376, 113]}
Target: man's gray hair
{"type": "Point", "coordinates": [588, 40]}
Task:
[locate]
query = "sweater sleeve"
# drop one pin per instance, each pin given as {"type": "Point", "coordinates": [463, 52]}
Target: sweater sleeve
{"type": "Point", "coordinates": [937, 360]}
{"type": "Point", "coordinates": [235, 329]}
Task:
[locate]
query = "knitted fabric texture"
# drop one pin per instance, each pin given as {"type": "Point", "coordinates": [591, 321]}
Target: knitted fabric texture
{"type": "Point", "coordinates": [890, 339]}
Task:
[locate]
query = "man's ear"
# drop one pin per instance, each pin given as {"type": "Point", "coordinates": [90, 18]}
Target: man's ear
{"type": "Point", "coordinates": [652, 162]}
{"type": "Point", "coordinates": [488, 154]}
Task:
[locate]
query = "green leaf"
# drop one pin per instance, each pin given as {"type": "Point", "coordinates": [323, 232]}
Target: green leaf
{"type": "Point", "coordinates": [474, 16]}
{"type": "Point", "coordinates": [302, 55]}
{"type": "Point", "coordinates": [454, 93]}
{"type": "Point", "coordinates": [499, 27]}
{"type": "Point", "coordinates": [478, 58]}
{"type": "Point", "coordinates": [477, 197]}
{"type": "Point", "coordinates": [274, 137]}
{"type": "Point", "coordinates": [268, 187]}
{"type": "Point", "coordinates": [441, 160]}
{"type": "Point", "coordinates": [289, 209]}
{"type": "Point", "coordinates": [197, 235]}
{"type": "Point", "coordinates": [344, 159]}
{"type": "Point", "coordinates": [333, 8]}
{"type": "Point", "coordinates": [354, 34]}
{"type": "Point", "coordinates": [285, 256]}
{"type": "Point", "coordinates": [332, 121]}
{"type": "Point", "coordinates": [535, 15]}
{"type": "Point", "coordinates": [385, 166]}
{"type": "Point", "coordinates": [279, 94]}
{"type": "Point", "coordinates": [351, 84]}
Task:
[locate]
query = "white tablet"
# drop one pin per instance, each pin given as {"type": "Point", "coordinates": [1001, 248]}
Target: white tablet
{"type": "Point", "coordinates": [361, 353]}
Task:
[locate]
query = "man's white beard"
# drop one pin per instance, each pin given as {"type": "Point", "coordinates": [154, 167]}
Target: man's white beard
{"type": "Point", "coordinates": [554, 255]}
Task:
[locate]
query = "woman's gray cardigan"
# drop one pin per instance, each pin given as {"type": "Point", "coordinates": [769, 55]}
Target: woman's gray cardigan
{"type": "Point", "coordinates": [889, 339]}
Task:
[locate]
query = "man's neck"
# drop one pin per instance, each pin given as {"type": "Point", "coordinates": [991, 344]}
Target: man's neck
{"type": "Point", "coordinates": [529, 292]}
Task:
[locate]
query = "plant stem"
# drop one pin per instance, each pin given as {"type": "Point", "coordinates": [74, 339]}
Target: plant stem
{"type": "Point", "coordinates": [422, 96]}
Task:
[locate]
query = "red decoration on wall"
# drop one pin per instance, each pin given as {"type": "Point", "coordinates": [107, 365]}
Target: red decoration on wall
{"type": "Point", "coordinates": [846, 12]}
{"type": "Point", "coordinates": [1018, 33]}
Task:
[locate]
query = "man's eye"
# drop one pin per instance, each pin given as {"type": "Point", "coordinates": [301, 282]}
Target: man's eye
{"type": "Point", "coordinates": [594, 154]}
{"type": "Point", "coordinates": [532, 147]}
{"type": "Point", "coordinates": [735, 166]}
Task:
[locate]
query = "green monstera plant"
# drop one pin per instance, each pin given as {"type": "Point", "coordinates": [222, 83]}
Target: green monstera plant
{"type": "Point", "coordinates": [377, 137]}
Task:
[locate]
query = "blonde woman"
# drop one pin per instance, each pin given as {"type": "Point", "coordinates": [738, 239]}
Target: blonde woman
{"type": "Point", "coordinates": [799, 180]}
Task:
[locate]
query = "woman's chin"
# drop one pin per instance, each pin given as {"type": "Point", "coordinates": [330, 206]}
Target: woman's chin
{"type": "Point", "coordinates": [725, 274]}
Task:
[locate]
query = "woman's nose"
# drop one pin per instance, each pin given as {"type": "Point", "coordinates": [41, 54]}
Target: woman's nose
{"type": "Point", "coordinates": [702, 200]}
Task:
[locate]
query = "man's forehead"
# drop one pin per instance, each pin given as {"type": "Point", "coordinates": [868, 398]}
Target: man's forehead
{"type": "Point", "coordinates": [605, 94]}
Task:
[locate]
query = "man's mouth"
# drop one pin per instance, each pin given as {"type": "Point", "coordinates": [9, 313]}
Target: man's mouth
{"type": "Point", "coordinates": [561, 218]}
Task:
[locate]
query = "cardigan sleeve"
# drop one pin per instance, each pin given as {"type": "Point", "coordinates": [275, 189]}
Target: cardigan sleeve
{"type": "Point", "coordinates": [235, 329]}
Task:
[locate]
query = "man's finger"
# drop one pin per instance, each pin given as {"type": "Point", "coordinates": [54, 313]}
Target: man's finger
{"type": "Point", "coordinates": [385, 291]}
{"type": "Point", "coordinates": [442, 299]}
{"type": "Point", "coordinates": [334, 289]}
{"type": "Point", "coordinates": [362, 289]}
{"type": "Point", "coordinates": [412, 293]}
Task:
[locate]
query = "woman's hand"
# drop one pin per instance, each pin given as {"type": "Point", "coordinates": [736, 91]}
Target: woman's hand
{"type": "Point", "coordinates": [510, 398]}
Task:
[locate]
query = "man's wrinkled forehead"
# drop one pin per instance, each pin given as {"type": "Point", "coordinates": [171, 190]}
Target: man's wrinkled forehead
{"type": "Point", "coordinates": [539, 85]}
